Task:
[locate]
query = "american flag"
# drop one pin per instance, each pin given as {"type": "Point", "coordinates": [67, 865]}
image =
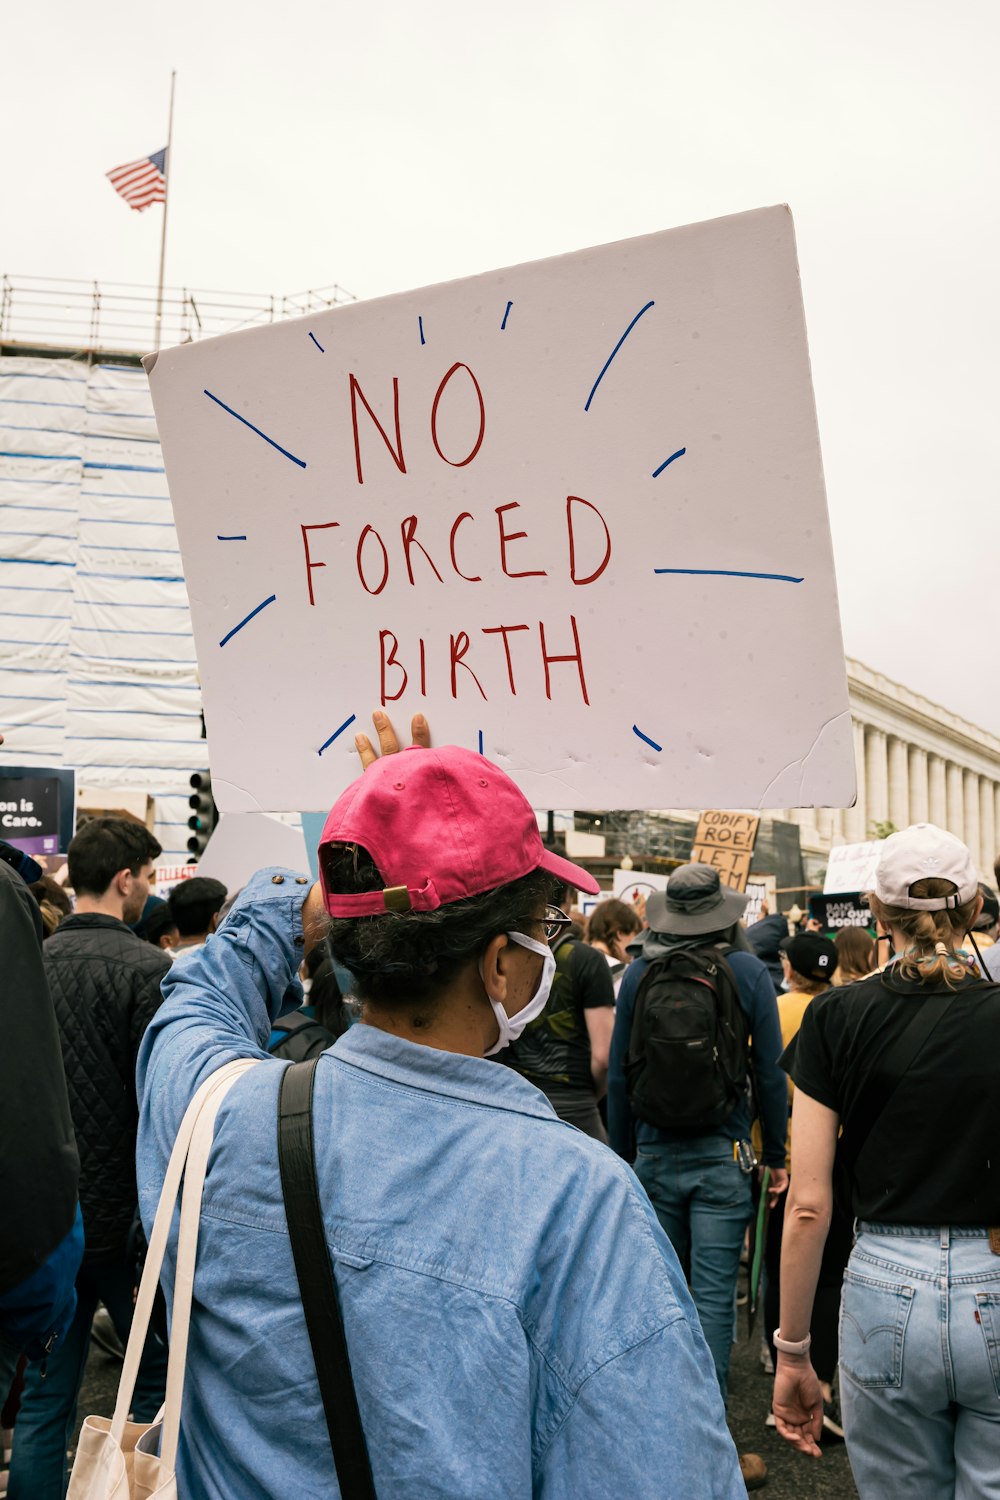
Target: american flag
{"type": "Point", "coordinates": [142, 182]}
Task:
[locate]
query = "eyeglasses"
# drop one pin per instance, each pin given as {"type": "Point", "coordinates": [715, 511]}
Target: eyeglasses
{"type": "Point", "coordinates": [554, 922]}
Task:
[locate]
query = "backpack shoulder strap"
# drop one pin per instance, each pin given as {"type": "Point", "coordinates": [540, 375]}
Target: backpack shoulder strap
{"type": "Point", "coordinates": [297, 1161]}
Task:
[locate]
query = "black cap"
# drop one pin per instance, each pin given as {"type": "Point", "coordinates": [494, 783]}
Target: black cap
{"type": "Point", "coordinates": [812, 956]}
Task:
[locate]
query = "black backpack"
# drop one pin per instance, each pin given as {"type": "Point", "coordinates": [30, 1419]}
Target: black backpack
{"type": "Point", "coordinates": [300, 1038]}
{"type": "Point", "coordinates": [686, 1065]}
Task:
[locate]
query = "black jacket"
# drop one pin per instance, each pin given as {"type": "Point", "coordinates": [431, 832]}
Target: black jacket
{"type": "Point", "coordinates": [765, 938]}
{"type": "Point", "coordinates": [106, 986]}
{"type": "Point", "coordinates": [38, 1163]}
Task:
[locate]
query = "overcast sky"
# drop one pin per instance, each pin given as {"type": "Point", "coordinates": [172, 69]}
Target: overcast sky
{"type": "Point", "coordinates": [392, 145]}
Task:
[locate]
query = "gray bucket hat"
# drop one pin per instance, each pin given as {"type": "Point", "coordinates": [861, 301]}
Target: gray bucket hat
{"type": "Point", "coordinates": [695, 901]}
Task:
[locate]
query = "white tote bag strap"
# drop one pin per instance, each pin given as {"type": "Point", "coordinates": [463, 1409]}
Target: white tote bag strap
{"type": "Point", "coordinates": [208, 1099]}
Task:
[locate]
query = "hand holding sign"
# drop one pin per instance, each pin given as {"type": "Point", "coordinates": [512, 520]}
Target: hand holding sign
{"type": "Point", "coordinates": [388, 744]}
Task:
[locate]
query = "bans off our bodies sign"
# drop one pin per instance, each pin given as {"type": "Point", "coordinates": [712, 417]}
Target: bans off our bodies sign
{"type": "Point", "coordinates": [556, 508]}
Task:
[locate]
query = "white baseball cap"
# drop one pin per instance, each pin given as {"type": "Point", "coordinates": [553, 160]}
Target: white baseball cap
{"type": "Point", "coordinates": [924, 852]}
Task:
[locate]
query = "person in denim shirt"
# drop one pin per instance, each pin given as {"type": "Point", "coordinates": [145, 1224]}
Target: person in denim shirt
{"type": "Point", "coordinates": [517, 1322]}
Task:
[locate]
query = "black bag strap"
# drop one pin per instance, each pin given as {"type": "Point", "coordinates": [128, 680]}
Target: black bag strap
{"type": "Point", "coordinates": [897, 1058]}
{"type": "Point", "coordinates": [297, 1162]}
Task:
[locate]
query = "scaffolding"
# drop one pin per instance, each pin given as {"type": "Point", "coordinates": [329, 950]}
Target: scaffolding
{"type": "Point", "coordinates": [53, 314]}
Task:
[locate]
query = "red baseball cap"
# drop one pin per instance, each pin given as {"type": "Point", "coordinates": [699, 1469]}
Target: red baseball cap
{"type": "Point", "coordinates": [440, 825]}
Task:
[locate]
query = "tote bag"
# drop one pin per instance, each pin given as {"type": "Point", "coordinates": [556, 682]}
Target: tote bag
{"type": "Point", "coordinates": [122, 1460]}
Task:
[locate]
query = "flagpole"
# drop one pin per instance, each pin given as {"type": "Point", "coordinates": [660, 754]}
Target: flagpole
{"type": "Point", "coordinates": [166, 203]}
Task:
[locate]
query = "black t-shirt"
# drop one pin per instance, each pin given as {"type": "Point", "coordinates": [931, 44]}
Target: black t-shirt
{"type": "Point", "coordinates": [934, 1154]}
{"type": "Point", "coordinates": [554, 1050]}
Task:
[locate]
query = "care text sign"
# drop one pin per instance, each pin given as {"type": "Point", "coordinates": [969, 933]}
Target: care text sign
{"type": "Point", "coordinates": [554, 508]}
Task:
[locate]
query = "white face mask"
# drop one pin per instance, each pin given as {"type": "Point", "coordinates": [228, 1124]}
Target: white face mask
{"type": "Point", "coordinates": [512, 1026]}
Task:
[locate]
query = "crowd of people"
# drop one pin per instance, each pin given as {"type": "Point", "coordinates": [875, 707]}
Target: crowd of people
{"type": "Point", "coordinates": [540, 1139]}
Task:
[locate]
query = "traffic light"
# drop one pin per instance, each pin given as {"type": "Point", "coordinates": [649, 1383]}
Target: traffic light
{"type": "Point", "coordinates": [204, 814]}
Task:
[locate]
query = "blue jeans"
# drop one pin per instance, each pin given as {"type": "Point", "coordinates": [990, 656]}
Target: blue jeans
{"type": "Point", "coordinates": [47, 1416]}
{"type": "Point", "coordinates": [702, 1198]}
{"type": "Point", "coordinates": [920, 1363]}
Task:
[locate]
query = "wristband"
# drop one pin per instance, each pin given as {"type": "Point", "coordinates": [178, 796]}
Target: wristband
{"type": "Point", "coordinates": [790, 1346]}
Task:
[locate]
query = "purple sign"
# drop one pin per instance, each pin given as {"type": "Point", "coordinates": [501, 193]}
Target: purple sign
{"type": "Point", "coordinates": [45, 843]}
{"type": "Point", "coordinates": [37, 809]}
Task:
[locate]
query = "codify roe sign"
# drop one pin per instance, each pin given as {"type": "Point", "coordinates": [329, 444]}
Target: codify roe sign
{"type": "Point", "coordinates": [556, 508]}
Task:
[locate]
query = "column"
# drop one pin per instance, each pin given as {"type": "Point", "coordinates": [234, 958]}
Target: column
{"type": "Point", "coordinates": [987, 828]}
{"type": "Point", "coordinates": [955, 820]}
{"type": "Point", "coordinates": [856, 817]}
{"type": "Point", "coordinates": [877, 778]}
{"type": "Point", "coordinates": [937, 795]}
{"type": "Point", "coordinates": [838, 819]}
{"type": "Point", "coordinates": [899, 783]}
{"type": "Point", "coordinates": [806, 818]}
{"type": "Point", "coordinates": [919, 789]}
{"type": "Point", "coordinates": [971, 835]}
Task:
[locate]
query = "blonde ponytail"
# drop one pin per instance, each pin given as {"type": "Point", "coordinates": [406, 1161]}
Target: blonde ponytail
{"type": "Point", "coordinates": [930, 936]}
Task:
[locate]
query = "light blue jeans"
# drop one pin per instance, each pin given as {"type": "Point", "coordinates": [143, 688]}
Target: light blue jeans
{"type": "Point", "coordinates": [920, 1363]}
{"type": "Point", "coordinates": [702, 1198]}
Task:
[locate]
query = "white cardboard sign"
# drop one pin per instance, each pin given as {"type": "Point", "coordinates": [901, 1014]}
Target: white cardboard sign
{"type": "Point", "coordinates": [555, 508]}
{"type": "Point", "coordinates": [244, 843]}
{"type": "Point", "coordinates": [851, 867]}
{"type": "Point", "coordinates": [634, 888]}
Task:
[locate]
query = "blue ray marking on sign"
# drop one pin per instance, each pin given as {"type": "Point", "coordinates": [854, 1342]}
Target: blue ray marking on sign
{"type": "Point", "coordinates": [337, 733]}
{"type": "Point", "coordinates": [480, 742]}
{"type": "Point", "coordinates": [300, 461]}
{"type": "Point", "coordinates": [506, 315]}
{"type": "Point", "coordinates": [614, 351]}
{"type": "Point", "coordinates": [667, 461]}
{"type": "Point", "coordinates": [231, 538]}
{"type": "Point", "coordinates": [645, 738]}
{"type": "Point", "coordinates": [246, 620]}
{"type": "Point", "coordinates": [731, 573]}
{"type": "Point", "coordinates": [420, 322]}
{"type": "Point", "coordinates": [316, 341]}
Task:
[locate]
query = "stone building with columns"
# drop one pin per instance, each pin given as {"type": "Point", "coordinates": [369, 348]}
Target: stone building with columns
{"type": "Point", "coordinates": [917, 762]}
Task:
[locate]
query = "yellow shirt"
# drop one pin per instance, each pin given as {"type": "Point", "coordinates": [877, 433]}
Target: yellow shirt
{"type": "Point", "coordinates": [792, 1006]}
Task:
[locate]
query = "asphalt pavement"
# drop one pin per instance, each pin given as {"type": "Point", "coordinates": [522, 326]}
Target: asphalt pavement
{"type": "Point", "coordinates": [790, 1476]}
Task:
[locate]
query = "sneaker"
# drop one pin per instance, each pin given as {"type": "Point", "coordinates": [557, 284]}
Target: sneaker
{"type": "Point", "coordinates": [766, 1359]}
{"type": "Point", "coordinates": [104, 1335]}
{"type": "Point", "coordinates": [769, 1420]}
{"type": "Point", "coordinates": [754, 1470]}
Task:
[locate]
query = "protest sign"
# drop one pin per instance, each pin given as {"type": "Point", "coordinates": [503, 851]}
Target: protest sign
{"type": "Point", "coordinates": [761, 891]}
{"type": "Point", "coordinates": [851, 867]}
{"type": "Point", "coordinates": [848, 909]}
{"type": "Point", "coordinates": [512, 503]}
{"type": "Point", "coordinates": [245, 842]}
{"type": "Point", "coordinates": [633, 889]}
{"type": "Point", "coordinates": [37, 808]}
{"type": "Point", "coordinates": [169, 877]}
{"type": "Point", "coordinates": [725, 840]}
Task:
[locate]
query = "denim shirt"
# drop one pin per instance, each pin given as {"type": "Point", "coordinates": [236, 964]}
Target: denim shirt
{"type": "Point", "coordinates": [517, 1321]}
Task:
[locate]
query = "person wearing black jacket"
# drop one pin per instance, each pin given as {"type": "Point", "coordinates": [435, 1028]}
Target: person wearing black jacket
{"type": "Point", "coordinates": [105, 984]}
{"type": "Point", "coordinates": [41, 1234]}
{"type": "Point", "coordinates": [765, 937]}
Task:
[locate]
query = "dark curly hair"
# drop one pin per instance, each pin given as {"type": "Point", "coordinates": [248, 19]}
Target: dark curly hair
{"type": "Point", "coordinates": [407, 957]}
